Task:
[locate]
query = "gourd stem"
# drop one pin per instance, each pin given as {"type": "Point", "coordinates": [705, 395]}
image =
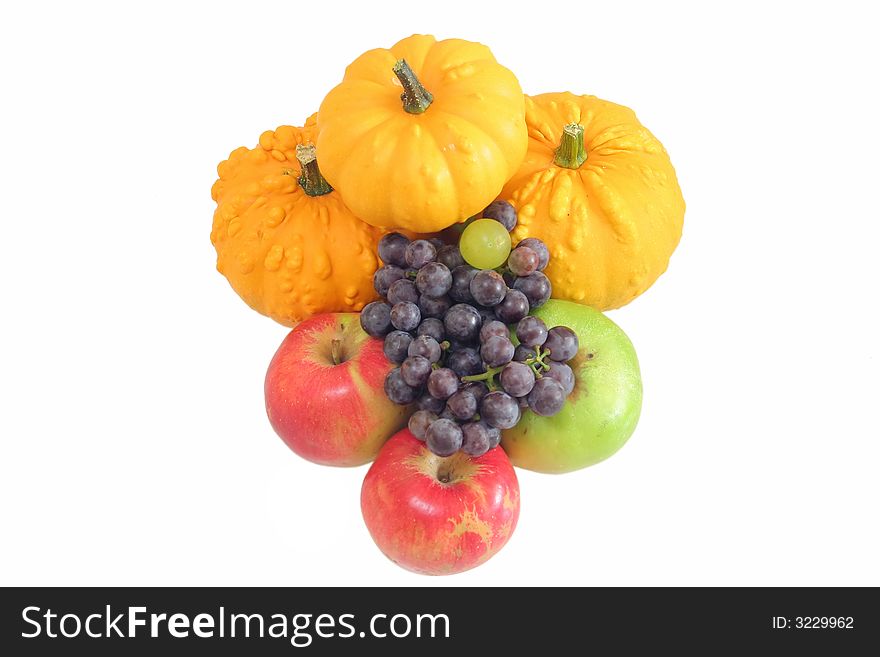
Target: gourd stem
{"type": "Point", "coordinates": [571, 153]}
{"type": "Point", "coordinates": [416, 99]}
{"type": "Point", "coordinates": [311, 180]}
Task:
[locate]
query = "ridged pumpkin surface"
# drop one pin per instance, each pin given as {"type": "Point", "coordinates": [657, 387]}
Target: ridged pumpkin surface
{"type": "Point", "coordinates": [612, 223]}
{"type": "Point", "coordinates": [287, 254]}
{"type": "Point", "coordinates": [426, 170]}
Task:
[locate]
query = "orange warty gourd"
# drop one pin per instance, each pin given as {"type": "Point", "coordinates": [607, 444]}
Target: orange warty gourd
{"type": "Point", "coordinates": [599, 189]}
{"type": "Point", "coordinates": [422, 135]}
{"type": "Point", "coordinates": [285, 241]}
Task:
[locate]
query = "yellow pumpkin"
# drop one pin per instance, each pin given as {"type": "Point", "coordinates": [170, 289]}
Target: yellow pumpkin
{"type": "Point", "coordinates": [434, 154]}
{"type": "Point", "coordinates": [598, 188]}
{"type": "Point", "coordinates": [285, 240]}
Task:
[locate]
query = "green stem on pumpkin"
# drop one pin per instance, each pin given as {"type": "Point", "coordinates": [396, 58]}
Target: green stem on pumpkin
{"type": "Point", "coordinates": [571, 153]}
{"type": "Point", "coordinates": [416, 99]}
{"type": "Point", "coordinates": [310, 179]}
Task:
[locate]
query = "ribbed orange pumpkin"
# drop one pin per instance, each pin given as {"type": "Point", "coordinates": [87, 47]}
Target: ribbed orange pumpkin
{"type": "Point", "coordinates": [285, 241]}
{"type": "Point", "coordinates": [433, 155]}
{"type": "Point", "coordinates": [598, 188]}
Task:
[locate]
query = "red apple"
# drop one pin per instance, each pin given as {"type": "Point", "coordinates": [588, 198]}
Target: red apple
{"type": "Point", "coordinates": [439, 515]}
{"type": "Point", "coordinates": [325, 395]}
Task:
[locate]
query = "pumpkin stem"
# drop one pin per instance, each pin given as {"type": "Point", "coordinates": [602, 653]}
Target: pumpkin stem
{"type": "Point", "coordinates": [416, 99]}
{"type": "Point", "coordinates": [311, 180]}
{"type": "Point", "coordinates": [571, 153]}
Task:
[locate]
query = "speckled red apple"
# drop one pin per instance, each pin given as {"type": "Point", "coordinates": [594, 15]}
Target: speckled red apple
{"type": "Point", "coordinates": [439, 515]}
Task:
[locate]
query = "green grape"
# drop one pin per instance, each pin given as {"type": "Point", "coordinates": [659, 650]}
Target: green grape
{"type": "Point", "coordinates": [485, 244]}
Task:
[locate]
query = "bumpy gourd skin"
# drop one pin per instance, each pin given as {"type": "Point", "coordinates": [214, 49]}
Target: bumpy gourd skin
{"type": "Point", "coordinates": [612, 223]}
{"type": "Point", "coordinates": [287, 254]}
{"type": "Point", "coordinates": [424, 171]}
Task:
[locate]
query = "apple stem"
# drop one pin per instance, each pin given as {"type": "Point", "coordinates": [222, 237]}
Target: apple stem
{"type": "Point", "coordinates": [336, 351]}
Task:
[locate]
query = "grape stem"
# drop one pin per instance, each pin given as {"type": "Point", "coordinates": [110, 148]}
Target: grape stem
{"type": "Point", "coordinates": [537, 362]}
{"type": "Point", "coordinates": [488, 376]}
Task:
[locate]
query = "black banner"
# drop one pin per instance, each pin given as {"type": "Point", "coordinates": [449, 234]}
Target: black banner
{"type": "Point", "coordinates": [115, 621]}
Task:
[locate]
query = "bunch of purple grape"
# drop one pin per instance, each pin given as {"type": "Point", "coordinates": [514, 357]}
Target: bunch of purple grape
{"type": "Point", "coordinates": [445, 324]}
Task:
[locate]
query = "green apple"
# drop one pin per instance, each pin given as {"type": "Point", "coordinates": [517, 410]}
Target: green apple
{"type": "Point", "coordinates": [602, 411]}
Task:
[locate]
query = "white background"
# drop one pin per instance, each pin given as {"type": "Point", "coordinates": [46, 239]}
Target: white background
{"type": "Point", "coordinates": [135, 447]}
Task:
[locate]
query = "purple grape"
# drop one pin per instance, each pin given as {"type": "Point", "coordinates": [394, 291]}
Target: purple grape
{"type": "Point", "coordinates": [427, 347]}
{"type": "Point", "coordinates": [531, 331]}
{"type": "Point", "coordinates": [523, 261]}
{"type": "Point", "coordinates": [446, 414]}
{"type": "Point", "coordinates": [562, 343]}
{"type": "Point", "coordinates": [397, 390]}
{"type": "Point", "coordinates": [462, 322]}
{"type": "Point", "coordinates": [419, 253]}
{"type": "Point", "coordinates": [517, 379]}
{"type": "Point", "coordinates": [433, 307]}
{"type": "Point", "coordinates": [419, 423]}
{"type": "Point", "coordinates": [502, 212]}
{"type": "Point", "coordinates": [434, 279]}
{"type": "Point", "coordinates": [461, 284]}
{"type": "Point", "coordinates": [405, 316]}
{"type": "Point", "coordinates": [385, 277]}
{"type": "Point", "coordinates": [462, 404]}
{"type": "Point", "coordinates": [493, 327]}
{"type": "Point", "coordinates": [450, 256]}
{"type": "Point", "coordinates": [547, 397]}
{"type": "Point", "coordinates": [402, 290]}
{"type": "Point", "coordinates": [475, 439]}
{"type": "Point", "coordinates": [437, 242]}
{"type": "Point", "coordinates": [428, 403]}
{"type": "Point", "coordinates": [465, 362]}
{"type": "Point", "coordinates": [513, 308]}
{"type": "Point", "coordinates": [396, 346]}
{"type": "Point", "coordinates": [509, 277]}
{"type": "Point", "coordinates": [458, 345]}
{"type": "Point", "coordinates": [536, 287]}
{"type": "Point", "coordinates": [442, 383]}
{"type": "Point", "coordinates": [497, 351]}
{"type": "Point", "coordinates": [488, 287]}
{"type": "Point", "coordinates": [523, 352]}
{"type": "Point", "coordinates": [392, 248]}
{"type": "Point", "coordinates": [500, 410]}
{"type": "Point", "coordinates": [563, 374]}
{"type": "Point", "coordinates": [415, 371]}
{"type": "Point", "coordinates": [486, 314]}
{"type": "Point", "coordinates": [443, 437]}
{"type": "Point", "coordinates": [494, 435]}
{"type": "Point", "coordinates": [376, 319]}
{"type": "Point", "coordinates": [477, 388]}
{"type": "Point", "coordinates": [538, 247]}
{"type": "Point", "coordinates": [432, 327]}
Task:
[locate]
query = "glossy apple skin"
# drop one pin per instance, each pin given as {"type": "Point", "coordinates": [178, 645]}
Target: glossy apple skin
{"type": "Point", "coordinates": [436, 528]}
{"type": "Point", "coordinates": [603, 409]}
{"type": "Point", "coordinates": [332, 414]}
